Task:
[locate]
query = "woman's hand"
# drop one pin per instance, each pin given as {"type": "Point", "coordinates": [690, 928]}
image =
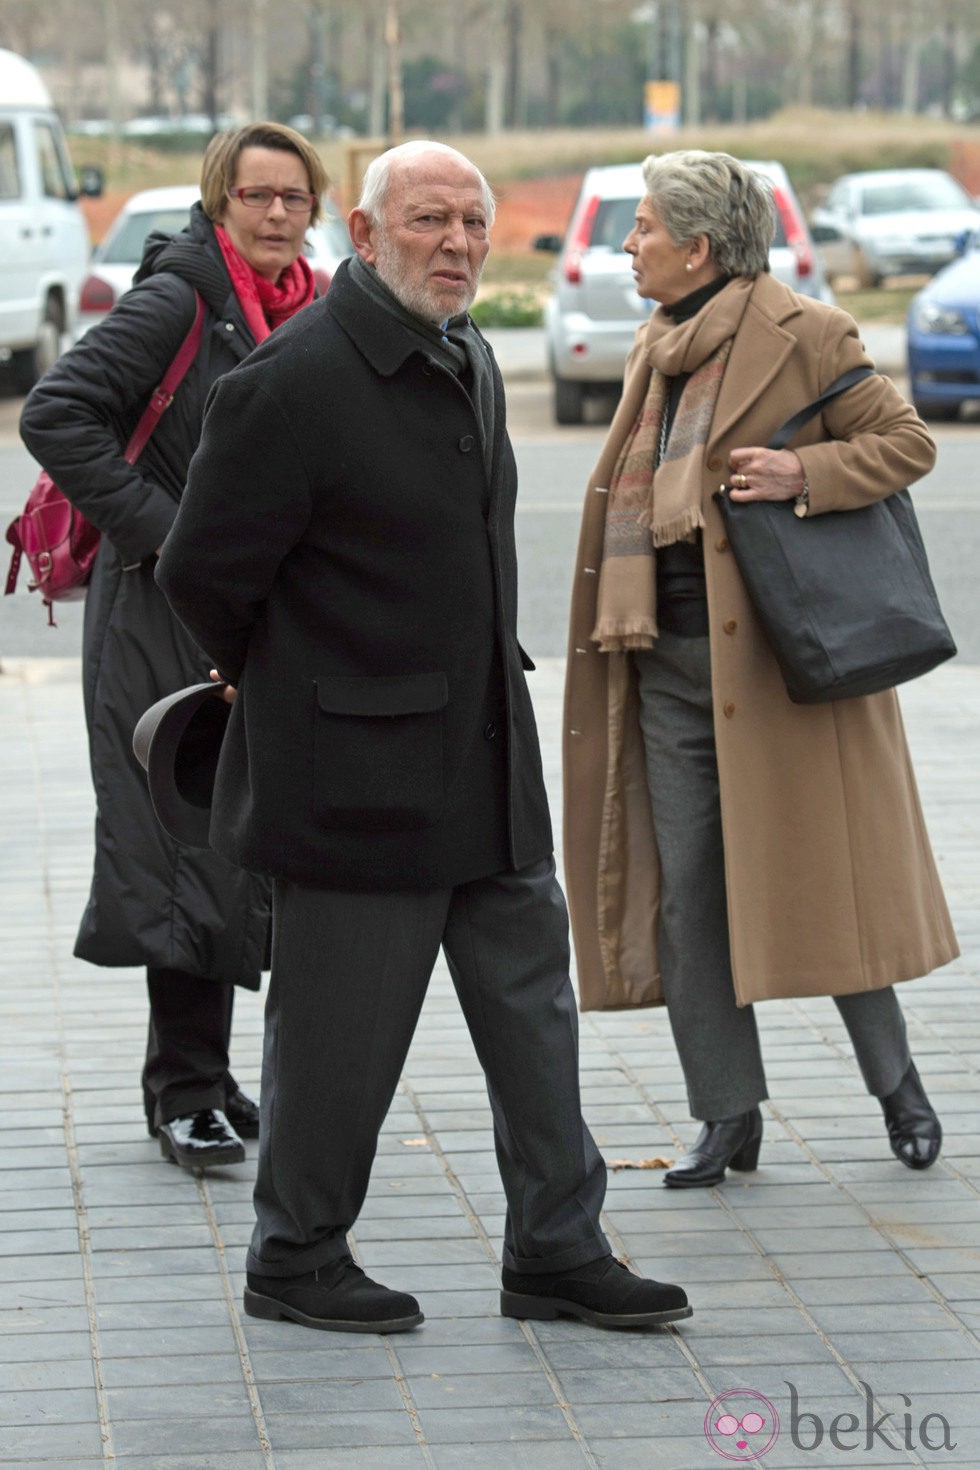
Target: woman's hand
{"type": "Point", "coordinates": [764, 474]}
{"type": "Point", "coordinates": [228, 692]}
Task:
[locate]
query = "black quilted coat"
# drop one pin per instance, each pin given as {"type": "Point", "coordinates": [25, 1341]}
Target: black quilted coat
{"type": "Point", "coordinates": [152, 901]}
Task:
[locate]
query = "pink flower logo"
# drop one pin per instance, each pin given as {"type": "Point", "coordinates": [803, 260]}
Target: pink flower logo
{"type": "Point", "coordinates": [741, 1425]}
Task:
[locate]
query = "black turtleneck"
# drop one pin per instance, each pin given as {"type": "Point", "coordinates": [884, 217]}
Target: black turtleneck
{"type": "Point", "coordinates": [682, 600]}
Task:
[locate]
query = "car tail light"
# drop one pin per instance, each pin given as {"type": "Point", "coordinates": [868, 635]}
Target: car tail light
{"type": "Point", "coordinates": [579, 237]}
{"type": "Point", "coordinates": [796, 236]}
{"type": "Point", "coordinates": [96, 295]}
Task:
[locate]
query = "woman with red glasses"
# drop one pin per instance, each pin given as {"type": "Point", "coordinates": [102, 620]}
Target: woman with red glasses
{"type": "Point", "coordinates": [198, 925]}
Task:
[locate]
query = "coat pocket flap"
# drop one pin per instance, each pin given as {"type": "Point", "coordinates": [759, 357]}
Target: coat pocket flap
{"type": "Point", "coordinates": [399, 694]}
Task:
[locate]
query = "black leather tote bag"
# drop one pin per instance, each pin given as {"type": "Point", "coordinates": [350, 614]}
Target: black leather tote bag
{"type": "Point", "coordinates": [845, 598]}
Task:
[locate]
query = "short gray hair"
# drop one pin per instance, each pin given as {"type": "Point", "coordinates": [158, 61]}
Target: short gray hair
{"type": "Point", "coordinates": [377, 176]}
{"type": "Point", "coordinates": [697, 193]}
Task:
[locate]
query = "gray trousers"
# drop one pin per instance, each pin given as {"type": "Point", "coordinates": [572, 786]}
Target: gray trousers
{"type": "Point", "coordinates": [717, 1041]}
{"type": "Point", "coordinates": [349, 974]}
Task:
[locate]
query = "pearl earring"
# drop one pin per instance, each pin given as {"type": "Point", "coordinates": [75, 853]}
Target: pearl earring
{"type": "Point", "coordinates": [689, 266]}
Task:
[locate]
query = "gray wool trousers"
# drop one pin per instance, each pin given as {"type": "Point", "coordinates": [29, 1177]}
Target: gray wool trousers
{"type": "Point", "coordinates": [717, 1041]}
{"type": "Point", "coordinates": [349, 974]}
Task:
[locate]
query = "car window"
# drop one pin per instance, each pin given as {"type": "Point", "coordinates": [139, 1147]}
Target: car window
{"type": "Point", "coordinates": [938, 193]}
{"type": "Point", "coordinates": [9, 172]}
{"type": "Point", "coordinates": [613, 221]}
{"type": "Point", "coordinates": [125, 247]}
{"type": "Point", "coordinates": [56, 179]}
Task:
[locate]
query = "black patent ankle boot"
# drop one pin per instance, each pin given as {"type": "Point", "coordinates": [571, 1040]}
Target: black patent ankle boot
{"type": "Point", "coordinates": [914, 1131]}
{"type": "Point", "coordinates": [731, 1143]}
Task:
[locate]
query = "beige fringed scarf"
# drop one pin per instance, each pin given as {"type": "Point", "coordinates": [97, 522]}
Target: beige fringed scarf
{"type": "Point", "coordinates": [648, 509]}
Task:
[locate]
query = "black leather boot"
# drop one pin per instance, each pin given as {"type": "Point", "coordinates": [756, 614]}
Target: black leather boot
{"type": "Point", "coordinates": [731, 1143]}
{"type": "Point", "coordinates": [914, 1131]}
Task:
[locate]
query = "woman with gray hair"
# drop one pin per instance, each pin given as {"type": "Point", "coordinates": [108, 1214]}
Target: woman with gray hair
{"type": "Point", "coordinates": [724, 845]}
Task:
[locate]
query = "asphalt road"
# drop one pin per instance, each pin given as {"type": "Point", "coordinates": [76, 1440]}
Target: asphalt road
{"type": "Point", "coordinates": [554, 465]}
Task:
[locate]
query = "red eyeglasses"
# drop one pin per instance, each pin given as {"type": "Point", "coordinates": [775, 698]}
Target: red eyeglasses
{"type": "Point", "coordinates": [297, 201]}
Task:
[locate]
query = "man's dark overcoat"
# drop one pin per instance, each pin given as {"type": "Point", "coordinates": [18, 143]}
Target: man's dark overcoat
{"type": "Point", "coordinates": [152, 901]}
{"type": "Point", "coordinates": [345, 552]}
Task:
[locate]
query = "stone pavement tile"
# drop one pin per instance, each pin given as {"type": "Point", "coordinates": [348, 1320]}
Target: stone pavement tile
{"type": "Point", "coordinates": [852, 1264]}
{"type": "Point", "coordinates": [418, 1357]}
{"type": "Point", "coordinates": [325, 1432]}
{"type": "Point", "coordinates": [481, 1391]}
{"type": "Point", "coordinates": [146, 1401]}
{"type": "Point", "coordinates": [139, 1340]}
{"type": "Point", "coordinates": [220, 1366]}
{"type": "Point", "coordinates": [26, 1406]}
{"type": "Point", "coordinates": [522, 1423]}
{"type": "Point", "coordinates": [396, 1457]}
{"type": "Point", "coordinates": [818, 1291]}
{"type": "Point", "coordinates": [749, 1352]}
{"type": "Point", "coordinates": [20, 1343]}
{"type": "Point", "coordinates": [462, 1332]}
{"type": "Point", "coordinates": [338, 1395]}
{"type": "Point", "coordinates": [241, 1459]}
{"type": "Point", "coordinates": [17, 1272]}
{"type": "Point", "coordinates": [567, 1454]}
{"type": "Point", "coordinates": [957, 1288]}
{"type": "Point", "coordinates": [53, 1445]}
{"type": "Point", "coordinates": [161, 1317]}
{"type": "Point", "coordinates": [901, 1347]}
{"type": "Point", "coordinates": [920, 1376]}
{"type": "Point", "coordinates": [569, 1344]}
{"type": "Point", "coordinates": [436, 1251]}
{"type": "Point", "coordinates": [651, 1385]}
{"type": "Point", "coordinates": [663, 1451]}
{"type": "Point", "coordinates": [179, 1434]}
{"type": "Point", "coordinates": [320, 1362]}
{"type": "Point", "coordinates": [887, 1317]}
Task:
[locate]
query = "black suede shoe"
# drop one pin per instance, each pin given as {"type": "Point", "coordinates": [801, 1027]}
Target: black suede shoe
{"type": "Point", "coordinates": [242, 1113]}
{"type": "Point", "coordinates": [337, 1298]}
{"type": "Point", "coordinates": [601, 1292]}
{"type": "Point", "coordinates": [201, 1141]}
{"type": "Point", "coordinates": [914, 1131]}
{"type": "Point", "coordinates": [731, 1143]}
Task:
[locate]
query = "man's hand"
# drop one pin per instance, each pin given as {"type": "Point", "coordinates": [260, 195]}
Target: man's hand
{"type": "Point", "coordinates": [228, 692]}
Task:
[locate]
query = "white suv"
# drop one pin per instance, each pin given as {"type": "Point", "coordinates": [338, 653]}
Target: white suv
{"type": "Point", "coordinates": [592, 315]}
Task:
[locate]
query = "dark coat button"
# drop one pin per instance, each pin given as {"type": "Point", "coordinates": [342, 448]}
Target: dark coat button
{"type": "Point", "coordinates": [489, 730]}
{"type": "Point", "coordinates": [466, 443]}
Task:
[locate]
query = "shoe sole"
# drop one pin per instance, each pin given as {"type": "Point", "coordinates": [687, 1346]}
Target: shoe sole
{"type": "Point", "coordinates": [272, 1310]}
{"type": "Point", "coordinates": [207, 1158]}
{"type": "Point", "coordinates": [547, 1309]}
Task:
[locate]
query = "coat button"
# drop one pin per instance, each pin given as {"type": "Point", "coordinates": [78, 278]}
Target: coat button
{"type": "Point", "coordinates": [729, 710]}
{"type": "Point", "coordinates": [229, 326]}
{"type": "Point", "coordinates": [466, 443]}
{"type": "Point", "coordinates": [489, 730]}
{"type": "Point", "coordinates": [721, 544]}
{"type": "Point", "coordinates": [730, 625]}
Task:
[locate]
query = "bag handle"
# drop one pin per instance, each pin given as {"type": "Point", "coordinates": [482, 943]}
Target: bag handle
{"type": "Point", "coordinates": [840, 385]}
{"type": "Point", "coordinates": [163, 395]}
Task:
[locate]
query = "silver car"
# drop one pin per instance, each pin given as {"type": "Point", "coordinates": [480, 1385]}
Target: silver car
{"type": "Point", "coordinates": [593, 312]}
{"type": "Point", "coordinates": [892, 222]}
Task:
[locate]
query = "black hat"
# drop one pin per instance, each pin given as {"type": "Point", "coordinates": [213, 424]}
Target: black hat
{"type": "Point", "coordinates": [177, 742]}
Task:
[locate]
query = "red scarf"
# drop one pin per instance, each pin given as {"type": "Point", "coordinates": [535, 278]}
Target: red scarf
{"type": "Point", "coordinates": [266, 303]}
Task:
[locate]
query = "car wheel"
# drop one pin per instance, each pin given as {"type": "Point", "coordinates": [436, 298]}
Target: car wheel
{"type": "Point", "coordinates": [939, 411]}
{"type": "Point", "coordinates": [569, 401]}
{"type": "Point", "coordinates": [30, 364]}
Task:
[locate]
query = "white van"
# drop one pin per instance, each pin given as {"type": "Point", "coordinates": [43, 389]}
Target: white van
{"type": "Point", "coordinates": [44, 244]}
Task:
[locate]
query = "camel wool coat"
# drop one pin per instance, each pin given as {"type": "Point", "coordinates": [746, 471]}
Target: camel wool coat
{"type": "Point", "coordinates": [832, 886]}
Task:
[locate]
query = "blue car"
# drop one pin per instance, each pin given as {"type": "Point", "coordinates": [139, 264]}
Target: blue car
{"type": "Point", "coordinates": [944, 338]}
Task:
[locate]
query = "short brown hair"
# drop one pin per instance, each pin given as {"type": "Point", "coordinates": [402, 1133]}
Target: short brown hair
{"type": "Point", "coordinates": [220, 164]}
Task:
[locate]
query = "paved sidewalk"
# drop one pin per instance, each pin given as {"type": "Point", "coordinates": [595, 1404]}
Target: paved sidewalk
{"type": "Point", "coordinates": [122, 1341]}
